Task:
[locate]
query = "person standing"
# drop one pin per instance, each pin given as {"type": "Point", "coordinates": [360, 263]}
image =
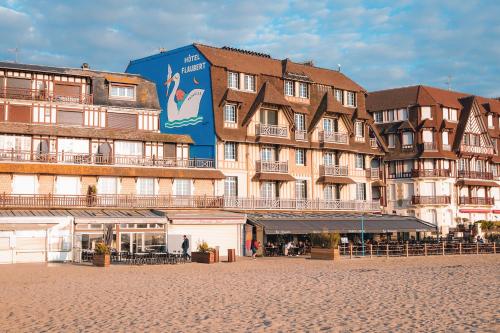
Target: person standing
{"type": "Point", "coordinates": [254, 247]}
{"type": "Point", "coordinates": [185, 248]}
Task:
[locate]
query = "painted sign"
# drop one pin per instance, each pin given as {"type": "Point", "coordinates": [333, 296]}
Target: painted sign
{"type": "Point", "coordinates": [182, 78]}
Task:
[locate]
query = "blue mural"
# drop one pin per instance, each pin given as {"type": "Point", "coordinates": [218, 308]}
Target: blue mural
{"type": "Point", "coordinates": [182, 78]}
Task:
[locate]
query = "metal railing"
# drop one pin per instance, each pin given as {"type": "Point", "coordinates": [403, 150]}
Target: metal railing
{"type": "Point", "coordinates": [100, 159]}
{"type": "Point", "coordinates": [374, 173]}
{"type": "Point", "coordinates": [414, 250]}
{"type": "Point", "coordinates": [408, 148]}
{"type": "Point", "coordinates": [476, 201]}
{"type": "Point", "coordinates": [170, 201]}
{"type": "Point", "coordinates": [342, 171]}
{"type": "Point", "coordinates": [43, 95]}
{"type": "Point", "coordinates": [475, 174]}
{"type": "Point", "coordinates": [430, 173]}
{"type": "Point", "coordinates": [271, 130]}
{"type": "Point", "coordinates": [430, 199]}
{"type": "Point", "coordinates": [300, 135]}
{"type": "Point", "coordinates": [476, 149]}
{"type": "Point", "coordinates": [271, 166]}
{"type": "Point", "coordinates": [333, 137]}
{"type": "Point", "coordinates": [429, 146]}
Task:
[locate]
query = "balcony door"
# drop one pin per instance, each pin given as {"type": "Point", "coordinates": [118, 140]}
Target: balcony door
{"type": "Point", "coordinates": [329, 159]}
{"type": "Point", "coordinates": [269, 154]}
{"type": "Point", "coordinates": [68, 185]}
{"type": "Point", "coordinates": [269, 190]}
{"type": "Point", "coordinates": [428, 189]}
{"type": "Point", "coordinates": [330, 125]}
{"type": "Point", "coordinates": [269, 117]}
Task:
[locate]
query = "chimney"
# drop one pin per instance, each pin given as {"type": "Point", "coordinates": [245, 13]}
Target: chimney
{"type": "Point", "coordinates": [85, 66]}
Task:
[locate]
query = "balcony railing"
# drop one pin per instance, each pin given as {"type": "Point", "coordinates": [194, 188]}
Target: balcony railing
{"type": "Point", "coordinates": [100, 159]}
{"type": "Point", "coordinates": [42, 95]}
{"type": "Point", "coordinates": [271, 130]}
{"type": "Point", "coordinates": [168, 201]}
{"type": "Point", "coordinates": [333, 137]}
{"type": "Point", "coordinates": [430, 173]}
{"type": "Point", "coordinates": [396, 175]}
{"type": "Point", "coordinates": [341, 171]}
{"type": "Point", "coordinates": [430, 200]}
{"type": "Point", "coordinates": [300, 135]}
{"type": "Point", "coordinates": [476, 201]}
{"type": "Point", "coordinates": [475, 174]}
{"type": "Point", "coordinates": [408, 148]}
{"type": "Point", "coordinates": [446, 147]}
{"type": "Point", "coordinates": [429, 146]}
{"type": "Point", "coordinates": [476, 149]}
{"type": "Point", "coordinates": [374, 173]}
{"type": "Point", "coordinates": [271, 166]}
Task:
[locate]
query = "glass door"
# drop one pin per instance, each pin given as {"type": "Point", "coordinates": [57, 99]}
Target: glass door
{"type": "Point", "coordinates": [125, 243]}
{"type": "Point", "coordinates": [138, 242]}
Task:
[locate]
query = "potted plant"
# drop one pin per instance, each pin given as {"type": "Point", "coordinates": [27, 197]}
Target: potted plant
{"type": "Point", "coordinates": [204, 254]}
{"type": "Point", "coordinates": [102, 255]}
{"type": "Point", "coordinates": [325, 246]}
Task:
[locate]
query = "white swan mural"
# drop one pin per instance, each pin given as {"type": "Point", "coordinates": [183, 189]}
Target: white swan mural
{"type": "Point", "coordinates": [182, 110]}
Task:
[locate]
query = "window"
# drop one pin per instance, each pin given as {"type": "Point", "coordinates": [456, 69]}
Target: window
{"type": "Point", "coordinates": [391, 138]}
{"type": "Point", "coordinates": [390, 115]}
{"type": "Point", "coordinates": [303, 90]}
{"type": "Point", "coordinates": [462, 164]}
{"type": "Point", "coordinates": [351, 98]}
{"type": "Point", "coordinates": [268, 154]}
{"type": "Point", "coordinates": [268, 190]}
{"type": "Point", "coordinates": [301, 189]}
{"type": "Point", "coordinates": [379, 116]}
{"type": "Point", "coordinates": [426, 112]}
{"type": "Point", "coordinates": [233, 80]}
{"type": "Point", "coordinates": [230, 151]}
{"type": "Point", "coordinates": [360, 191]}
{"type": "Point", "coordinates": [120, 91]}
{"type": "Point", "coordinates": [407, 138]}
{"type": "Point", "coordinates": [15, 142]}
{"type": "Point", "coordinates": [231, 186]}
{"type": "Point", "coordinates": [446, 113]}
{"type": "Point", "coordinates": [230, 113]}
{"type": "Point", "coordinates": [330, 125]}
{"type": "Point", "coordinates": [359, 129]}
{"type": "Point", "coordinates": [407, 165]}
{"type": "Point", "coordinates": [445, 138]}
{"type": "Point", "coordinates": [129, 148]}
{"type": "Point", "coordinates": [360, 161]}
{"type": "Point", "coordinates": [300, 156]}
{"type": "Point", "coordinates": [289, 88]}
{"type": "Point", "coordinates": [427, 136]}
{"type": "Point", "coordinates": [300, 123]}
{"type": "Point", "coordinates": [77, 146]}
{"type": "Point", "coordinates": [408, 190]}
{"type": "Point", "coordinates": [339, 95]}
{"type": "Point", "coordinates": [107, 185]}
{"type": "Point", "coordinates": [392, 192]}
{"type": "Point", "coordinates": [24, 184]}
{"type": "Point", "coordinates": [145, 186]}
{"type": "Point", "coordinates": [269, 117]}
{"type": "Point", "coordinates": [403, 114]}
{"type": "Point", "coordinates": [249, 82]}
{"type": "Point", "coordinates": [182, 187]}
{"type": "Point", "coordinates": [329, 192]}
{"type": "Point", "coordinates": [329, 158]}
{"type": "Point", "coordinates": [453, 114]}
{"type": "Point", "coordinates": [490, 121]}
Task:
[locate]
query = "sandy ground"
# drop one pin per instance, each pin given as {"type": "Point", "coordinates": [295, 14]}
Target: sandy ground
{"type": "Point", "coordinates": [433, 294]}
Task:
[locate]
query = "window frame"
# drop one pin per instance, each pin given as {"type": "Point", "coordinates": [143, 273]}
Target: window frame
{"type": "Point", "coordinates": [230, 151]}
{"type": "Point", "coordinates": [349, 102]}
{"type": "Point", "coordinates": [233, 75]}
{"type": "Point", "coordinates": [232, 106]}
{"type": "Point", "coordinates": [246, 86]}
{"type": "Point", "coordinates": [122, 86]}
{"type": "Point", "coordinates": [303, 85]}
{"type": "Point", "coordinates": [289, 84]}
{"type": "Point", "coordinates": [300, 158]}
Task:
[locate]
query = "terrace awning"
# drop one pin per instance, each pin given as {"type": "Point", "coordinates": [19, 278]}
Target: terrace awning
{"type": "Point", "coordinates": [342, 223]}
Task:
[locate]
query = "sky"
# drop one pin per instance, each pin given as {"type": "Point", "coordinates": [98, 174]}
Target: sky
{"type": "Point", "coordinates": [379, 44]}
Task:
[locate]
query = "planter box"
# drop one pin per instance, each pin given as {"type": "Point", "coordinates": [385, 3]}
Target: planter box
{"type": "Point", "coordinates": [101, 260]}
{"type": "Point", "coordinates": [325, 254]}
{"type": "Point", "coordinates": [204, 258]}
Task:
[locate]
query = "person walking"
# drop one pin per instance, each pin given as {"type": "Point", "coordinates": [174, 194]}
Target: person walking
{"type": "Point", "coordinates": [254, 247]}
{"type": "Point", "coordinates": [185, 248]}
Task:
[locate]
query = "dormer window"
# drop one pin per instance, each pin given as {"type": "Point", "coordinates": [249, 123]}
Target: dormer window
{"type": "Point", "coordinates": [379, 116]}
{"type": "Point", "coordinates": [233, 80]}
{"type": "Point", "coordinates": [490, 121]}
{"type": "Point", "coordinates": [289, 88]}
{"type": "Point", "coordinates": [121, 91]}
{"type": "Point", "coordinates": [249, 82]}
{"type": "Point", "coordinates": [359, 129]}
{"type": "Point", "coordinates": [426, 112]}
{"type": "Point", "coordinates": [351, 98]}
{"type": "Point", "coordinates": [338, 95]}
{"type": "Point", "coordinates": [303, 90]}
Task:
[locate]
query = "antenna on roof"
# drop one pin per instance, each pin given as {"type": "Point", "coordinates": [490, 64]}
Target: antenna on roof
{"type": "Point", "coordinates": [162, 50]}
{"type": "Point", "coordinates": [339, 67]}
{"type": "Point", "coordinates": [16, 52]}
{"type": "Point", "coordinates": [448, 82]}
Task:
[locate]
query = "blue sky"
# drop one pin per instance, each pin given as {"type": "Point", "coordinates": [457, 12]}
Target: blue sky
{"type": "Point", "coordinates": [380, 44]}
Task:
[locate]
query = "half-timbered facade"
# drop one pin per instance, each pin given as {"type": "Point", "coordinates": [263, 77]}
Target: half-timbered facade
{"type": "Point", "coordinates": [442, 163]}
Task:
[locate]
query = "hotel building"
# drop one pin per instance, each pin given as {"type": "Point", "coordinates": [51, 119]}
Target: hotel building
{"type": "Point", "coordinates": [443, 163]}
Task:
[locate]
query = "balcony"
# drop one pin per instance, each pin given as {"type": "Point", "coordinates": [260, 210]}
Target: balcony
{"type": "Point", "coordinates": [475, 174]}
{"type": "Point", "coordinates": [42, 95]}
{"type": "Point", "coordinates": [374, 173]}
{"type": "Point", "coordinates": [476, 201]}
{"type": "Point", "coordinates": [408, 148]}
{"type": "Point", "coordinates": [99, 159]}
{"type": "Point", "coordinates": [271, 130]}
{"type": "Point", "coordinates": [340, 171]}
{"type": "Point", "coordinates": [333, 137]}
{"type": "Point", "coordinates": [271, 166]}
{"type": "Point", "coordinates": [300, 135]}
{"type": "Point", "coordinates": [429, 146]}
{"type": "Point", "coordinates": [190, 202]}
{"type": "Point", "coordinates": [476, 149]}
{"type": "Point", "coordinates": [430, 200]}
{"type": "Point", "coordinates": [430, 173]}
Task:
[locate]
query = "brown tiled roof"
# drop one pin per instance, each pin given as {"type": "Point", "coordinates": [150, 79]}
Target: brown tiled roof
{"type": "Point", "coordinates": [329, 104]}
{"type": "Point", "coordinates": [284, 177]}
{"type": "Point", "coordinates": [476, 182]}
{"type": "Point", "coordinates": [89, 132]}
{"type": "Point", "coordinates": [406, 125]}
{"type": "Point", "coordinates": [267, 95]}
{"type": "Point", "coordinates": [335, 180]}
